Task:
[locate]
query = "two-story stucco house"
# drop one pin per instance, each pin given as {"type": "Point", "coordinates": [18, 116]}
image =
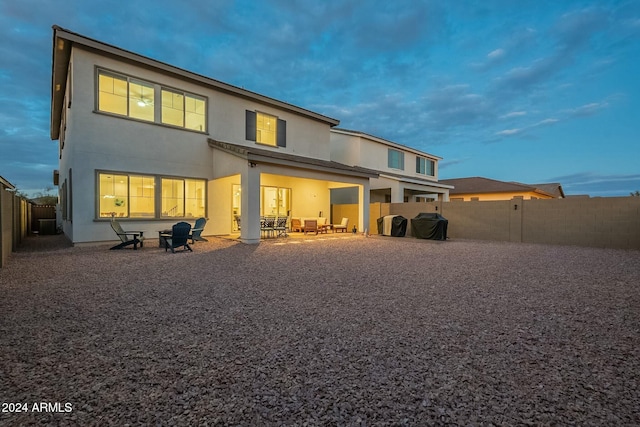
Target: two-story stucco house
{"type": "Point", "coordinates": [154, 144]}
{"type": "Point", "coordinates": [405, 174]}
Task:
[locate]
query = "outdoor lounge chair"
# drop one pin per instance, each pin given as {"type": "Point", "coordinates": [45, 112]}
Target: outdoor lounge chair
{"type": "Point", "coordinates": [127, 237]}
{"type": "Point", "coordinates": [196, 231]}
{"type": "Point", "coordinates": [281, 226]}
{"type": "Point", "coordinates": [267, 226]}
{"type": "Point", "coordinates": [343, 226]}
{"type": "Point", "coordinates": [310, 225]}
{"type": "Point", "coordinates": [179, 237]}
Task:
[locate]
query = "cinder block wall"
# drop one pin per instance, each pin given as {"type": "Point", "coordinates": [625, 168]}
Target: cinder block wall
{"type": "Point", "coordinates": [6, 225]}
{"type": "Point", "coordinates": [611, 222]}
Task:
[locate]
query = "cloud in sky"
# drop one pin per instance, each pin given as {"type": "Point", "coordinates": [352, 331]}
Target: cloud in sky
{"type": "Point", "coordinates": [444, 77]}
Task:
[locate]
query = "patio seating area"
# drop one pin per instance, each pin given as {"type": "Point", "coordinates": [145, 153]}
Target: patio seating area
{"type": "Point", "coordinates": [339, 330]}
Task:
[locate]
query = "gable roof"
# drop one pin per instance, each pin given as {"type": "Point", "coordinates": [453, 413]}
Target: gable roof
{"type": "Point", "coordinates": [384, 141]}
{"type": "Point", "coordinates": [477, 185]}
{"type": "Point", "coordinates": [63, 40]}
{"type": "Point", "coordinates": [553, 188]}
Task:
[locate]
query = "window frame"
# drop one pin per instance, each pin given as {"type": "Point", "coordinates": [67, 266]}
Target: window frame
{"type": "Point", "coordinates": [251, 129]}
{"type": "Point", "coordinates": [185, 95]}
{"type": "Point", "coordinates": [390, 159]}
{"type": "Point", "coordinates": [421, 166]}
{"type": "Point", "coordinates": [157, 196]}
{"type": "Point", "coordinates": [158, 88]}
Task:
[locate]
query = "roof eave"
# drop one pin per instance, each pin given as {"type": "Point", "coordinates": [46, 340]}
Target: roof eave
{"type": "Point", "coordinates": [61, 54]}
{"type": "Point", "coordinates": [256, 155]}
{"type": "Point", "coordinates": [216, 84]}
{"type": "Point", "coordinates": [385, 142]}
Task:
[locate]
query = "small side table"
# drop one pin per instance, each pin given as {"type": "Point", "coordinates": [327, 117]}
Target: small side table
{"type": "Point", "coordinates": [162, 237]}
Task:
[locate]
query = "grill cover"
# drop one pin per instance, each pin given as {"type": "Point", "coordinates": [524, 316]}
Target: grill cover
{"type": "Point", "coordinates": [429, 226]}
{"type": "Point", "coordinates": [392, 225]}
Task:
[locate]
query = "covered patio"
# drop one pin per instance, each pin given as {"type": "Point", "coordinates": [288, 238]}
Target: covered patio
{"type": "Point", "coordinates": [252, 182]}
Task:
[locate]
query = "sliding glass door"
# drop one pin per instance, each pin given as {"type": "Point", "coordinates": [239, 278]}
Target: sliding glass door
{"type": "Point", "coordinates": [275, 201]}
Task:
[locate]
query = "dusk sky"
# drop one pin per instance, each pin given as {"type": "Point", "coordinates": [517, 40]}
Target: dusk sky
{"type": "Point", "coordinates": [531, 91]}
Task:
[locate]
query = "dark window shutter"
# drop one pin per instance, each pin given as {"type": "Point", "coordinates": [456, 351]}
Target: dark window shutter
{"type": "Point", "coordinates": [251, 125]}
{"type": "Point", "coordinates": [282, 133]}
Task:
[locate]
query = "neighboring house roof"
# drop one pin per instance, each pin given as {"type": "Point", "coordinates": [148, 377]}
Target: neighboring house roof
{"type": "Point", "coordinates": [552, 188]}
{"type": "Point", "coordinates": [384, 141]}
{"type": "Point", "coordinates": [479, 185]}
{"type": "Point", "coordinates": [63, 40]}
{"type": "Point", "coordinates": [253, 154]}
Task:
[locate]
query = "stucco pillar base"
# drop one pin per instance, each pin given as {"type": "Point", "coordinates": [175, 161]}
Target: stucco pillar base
{"type": "Point", "coordinates": [249, 241]}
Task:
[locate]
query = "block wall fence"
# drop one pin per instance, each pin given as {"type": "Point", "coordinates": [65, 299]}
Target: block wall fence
{"type": "Point", "coordinates": [611, 222]}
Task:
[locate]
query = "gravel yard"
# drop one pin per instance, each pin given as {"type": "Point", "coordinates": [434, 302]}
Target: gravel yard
{"type": "Point", "coordinates": [324, 331]}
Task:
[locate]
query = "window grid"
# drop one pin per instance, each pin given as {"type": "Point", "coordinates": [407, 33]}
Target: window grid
{"type": "Point", "coordinates": [425, 166]}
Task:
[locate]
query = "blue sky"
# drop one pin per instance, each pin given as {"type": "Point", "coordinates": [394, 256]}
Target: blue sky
{"type": "Point", "coordinates": [516, 90]}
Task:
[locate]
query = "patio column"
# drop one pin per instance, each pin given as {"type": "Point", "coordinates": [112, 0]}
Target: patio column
{"type": "Point", "coordinates": [397, 192]}
{"type": "Point", "coordinates": [364, 201]}
{"type": "Point", "coordinates": [250, 199]}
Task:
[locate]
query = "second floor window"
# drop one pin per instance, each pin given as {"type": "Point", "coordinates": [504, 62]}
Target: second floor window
{"type": "Point", "coordinates": [130, 97]}
{"type": "Point", "coordinates": [183, 110]}
{"type": "Point", "coordinates": [266, 129]}
{"type": "Point", "coordinates": [425, 166]}
{"type": "Point", "coordinates": [395, 159]}
{"type": "Point", "coordinates": [125, 96]}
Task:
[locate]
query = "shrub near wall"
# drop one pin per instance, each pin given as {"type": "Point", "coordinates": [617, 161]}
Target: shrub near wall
{"type": "Point", "coordinates": [612, 222]}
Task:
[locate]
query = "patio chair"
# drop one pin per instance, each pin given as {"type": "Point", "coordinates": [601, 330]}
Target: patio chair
{"type": "Point", "coordinates": [267, 226]}
{"type": "Point", "coordinates": [343, 226]}
{"type": "Point", "coordinates": [281, 226]}
{"type": "Point", "coordinates": [296, 225]}
{"type": "Point", "coordinates": [179, 237]}
{"type": "Point", "coordinates": [196, 231]}
{"type": "Point", "coordinates": [127, 238]}
{"type": "Point", "coordinates": [310, 225]}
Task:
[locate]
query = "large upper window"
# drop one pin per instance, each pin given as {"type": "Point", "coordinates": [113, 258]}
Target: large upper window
{"type": "Point", "coordinates": [266, 129]}
{"type": "Point", "coordinates": [135, 98]}
{"type": "Point", "coordinates": [134, 196]}
{"type": "Point", "coordinates": [395, 159]}
{"type": "Point", "coordinates": [123, 95]}
{"type": "Point", "coordinates": [183, 110]}
{"type": "Point", "coordinates": [425, 166]}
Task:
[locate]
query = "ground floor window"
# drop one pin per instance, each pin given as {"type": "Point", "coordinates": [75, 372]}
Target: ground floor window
{"type": "Point", "coordinates": [183, 197]}
{"type": "Point", "coordinates": [149, 196]}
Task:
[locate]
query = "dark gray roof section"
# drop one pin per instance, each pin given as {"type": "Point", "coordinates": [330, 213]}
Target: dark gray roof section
{"type": "Point", "coordinates": [385, 141]}
{"type": "Point", "coordinates": [63, 40]}
{"type": "Point", "coordinates": [258, 155]}
{"type": "Point", "coordinates": [553, 188]}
